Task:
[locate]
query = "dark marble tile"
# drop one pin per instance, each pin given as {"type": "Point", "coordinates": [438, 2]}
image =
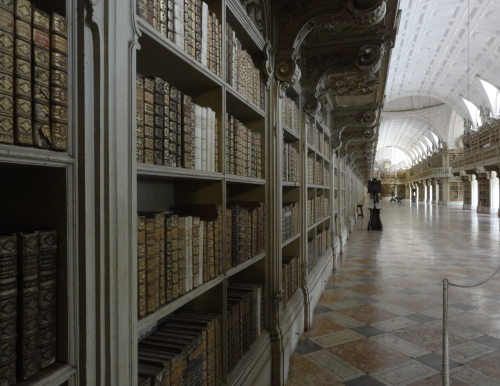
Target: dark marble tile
{"type": "Point", "coordinates": [368, 280]}
{"type": "Point", "coordinates": [409, 292]}
{"type": "Point", "coordinates": [307, 346]}
{"type": "Point", "coordinates": [436, 361]}
{"type": "Point", "coordinates": [365, 380]}
{"type": "Point", "coordinates": [321, 310]}
{"type": "Point", "coordinates": [489, 341]}
{"type": "Point", "coordinates": [367, 299]}
{"type": "Point", "coordinates": [331, 286]}
{"type": "Point", "coordinates": [368, 331]}
{"type": "Point", "coordinates": [421, 318]}
{"type": "Point", "coordinates": [463, 306]}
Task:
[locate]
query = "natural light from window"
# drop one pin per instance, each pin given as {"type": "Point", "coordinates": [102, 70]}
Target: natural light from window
{"type": "Point", "coordinates": [493, 96]}
{"type": "Point", "coordinates": [474, 113]}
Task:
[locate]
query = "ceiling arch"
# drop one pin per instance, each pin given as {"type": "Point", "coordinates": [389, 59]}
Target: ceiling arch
{"type": "Point", "coordinates": [459, 52]}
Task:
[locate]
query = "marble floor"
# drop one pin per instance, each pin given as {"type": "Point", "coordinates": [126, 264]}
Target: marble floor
{"type": "Point", "coordinates": [379, 321]}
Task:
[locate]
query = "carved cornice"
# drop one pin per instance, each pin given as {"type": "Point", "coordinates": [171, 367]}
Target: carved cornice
{"type": "Point", "coordinates": [258, 12]}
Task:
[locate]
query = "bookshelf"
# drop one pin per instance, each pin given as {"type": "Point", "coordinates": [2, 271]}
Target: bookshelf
{"type": "Point", "coordinates": [161, 188]}
{"type": "Point", "coordinates": [456, 191]}
{"type": "Point", "coordinates": [38, 167]}
{"type": "Point", "coordinates": [483, 185]}
{"type": "Point", "coordinates": [467, 192]}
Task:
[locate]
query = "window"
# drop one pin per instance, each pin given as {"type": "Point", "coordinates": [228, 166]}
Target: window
{"type": "Point", "coordinates": [474, 113]}
{"type": "Point", "coordinates": [493, 96]}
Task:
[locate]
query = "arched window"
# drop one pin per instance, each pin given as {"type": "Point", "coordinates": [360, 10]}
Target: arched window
{"type": "Point", "coordinates": [493, 96]}
{"type": "Point", "coordinates": [474, 113]}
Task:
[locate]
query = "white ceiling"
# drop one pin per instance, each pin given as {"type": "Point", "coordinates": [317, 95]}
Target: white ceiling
{"type": "Point", "coordinates": [442, 27]}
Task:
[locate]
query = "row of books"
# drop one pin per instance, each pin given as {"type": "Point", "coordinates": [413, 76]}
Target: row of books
{"type": "Point", "coordinates": [33, 77]}
{"type": "Point", "coordinates": [177, 253]}
{"type": "Point", "coordinates": [172, 130]}
{"type": "Point", "coordinates": [291, 115]}
{"type": "Point", "coordinates": [328, 178]}
{"type": "Point", "coordinates": [245, 319]}
{"type": "Point", "coordinates": [290, 163]}
{"type": "Point", "coordinates": [317, 247]}
{"type": "Point", "coordinates": [28, 303]}
{"type": "Point", "coordinates": [186, 349]}
{"type": "Point", "coordinates": [190, 25]}
{"type": "Point", "coordinates": [241, 71]}
{"type": "Point", "coordinates": [290, 276]}
{"type": "Point", "coordinates": [289, 220]}
{"type": "Point", "coordinates": [316, 139]}
{"type": "Point", "coordinates": [315, 170]}
{"type": "Point", "coordinates": [246, 232]}
{"type": "Point", "coordinates": [243, 149]}
{"type": "Point", "coordinates": [317, 209]}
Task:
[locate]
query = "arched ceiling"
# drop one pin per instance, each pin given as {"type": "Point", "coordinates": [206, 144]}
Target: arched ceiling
{"type": "Point", "coordinates": [441, 29]}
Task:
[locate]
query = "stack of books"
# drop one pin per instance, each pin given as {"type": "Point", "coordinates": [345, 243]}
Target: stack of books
{"type": "Point", "coordinates": [289, 220]}
{"type": "Point", "coordinates": [315, 137]}
{"type": "Point", "coordinates": [245, 319]}
{"type": "Point", "coordinates": [322, 207]}
{"type": "Point", "coordinates": [243, 149]}
{"type": "Point", "coordinates": [310, 211]}
{"type": "Point", "coordinates": [241, 72]}
{"type": "Point", "coordinates": [291, 115]}
{"type": "Point", "coordinates": [186, 349]}
{"type": "Point", "coordinates": [28, 302]}
{"type": "Point", "coordinates": [190, 25]}
{"type": "Point", "coordinates": [290, 163]}
{"type": "Point", "coordinates": [311, 254]}
{"type": "Point", "coordinates": [177, 253]}
{"type": "Point", "coordinates": [33, 77]}
{"type": "Point", "coordinates": [328, 180]}
{"type": "Point", "coordinates": [290, 277]}
{"type": "Point", "coordinates": [173, 131]}
{"type": "Point", "coordinates": [246, 223]}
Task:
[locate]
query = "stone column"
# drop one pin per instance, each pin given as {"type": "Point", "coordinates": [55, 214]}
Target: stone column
{"type": "Point", "coordinates": [436, 188]}
{"type": "Point", "coordinates": [492, 205]}
{"type": "Point", "coordinates": [444, 185]}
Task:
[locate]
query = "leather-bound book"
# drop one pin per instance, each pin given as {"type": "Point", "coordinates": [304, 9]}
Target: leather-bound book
{"type": "Point", "coordinates": [30, 316]}
{"type": "Point", "coordinates": [141, 265]}
{"type": "Point", "coordinates": [196, 252]}
{"type": "Point", "coordinates": [159, 120]}
{"type": "Point", "coordinates": [8, 302]}
{"type": "Point", "coordinates": [152, 274]}
{"type": "Point", "coordinates": [160, 255]}
{"type": "Point", "coordinates": [206, 270]}
{"type": "Point", "coordinates": [47, 302]}
{"type": "Point", "coordinates": [149, 120]}
{"type": "Point", "coordinates": [7, 71]}
{"type": "Point", "coordinates": [182, 254]}
{"type": "Point", "coordinates": [228, 237]}
{"type": "Point", "coordinates": [139, 85]}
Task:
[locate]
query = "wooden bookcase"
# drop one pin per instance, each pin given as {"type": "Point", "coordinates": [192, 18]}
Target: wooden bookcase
{"type": "Point", "coordinates": [467, 192]}
{"type": "Point", "coordinates": [40, 192]}
{"type": "Point", "coordinates": [456, 191]}
{"type": "Point", "coordinates": [483, 185]}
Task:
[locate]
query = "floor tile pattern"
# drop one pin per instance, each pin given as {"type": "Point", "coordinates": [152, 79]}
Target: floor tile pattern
{"type": "Point", "coordinates": [379, 321]}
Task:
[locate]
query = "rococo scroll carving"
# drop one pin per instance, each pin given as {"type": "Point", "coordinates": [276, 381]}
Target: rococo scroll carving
{"type": "Point", "coordinates": [288, 71]}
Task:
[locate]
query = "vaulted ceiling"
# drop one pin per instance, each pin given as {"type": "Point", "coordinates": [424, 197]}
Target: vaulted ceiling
{"type": "Point", "coordinates": [439, 29]}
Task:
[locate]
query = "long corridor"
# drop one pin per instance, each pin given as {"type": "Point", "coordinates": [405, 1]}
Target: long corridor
{"type": "Point", "coordinates": [379, 322]}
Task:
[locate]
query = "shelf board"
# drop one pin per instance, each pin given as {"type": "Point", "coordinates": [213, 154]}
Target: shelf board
{"type": "Point", "coordinates": [183, 71]}
{"type": "Point", "coordinates": [317, 223]}
{"type": "Point", "coordinates": [33, 156]}
{"type": "Point", "coordinates": [238, 180]}
{"type": "Point", "coordinates": [241, 107]}
{"type": "Point", "coordinates": [53, 375]}
{"type": "Point", "coordinates": [163, 172]}
{"type": "Point", "coordinates": [286, 242]}
{"type": "Point", "coordinates": [289, 134]}
{"type": "Point", "coordinates": [167, 309]}
{"type": "Point", "coordinates": [246, 31]}
{"type": "Point", "coordinates": [309, 186]}
{"type": "Point", "coordinates": [289, 183]}
{"type": "Point", "coordinates": [244, 367]}
{"type": "Point", "coordinates": [246, 264]}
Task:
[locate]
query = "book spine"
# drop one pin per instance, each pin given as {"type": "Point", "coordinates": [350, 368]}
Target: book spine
{"type": "Point", "coordinates": [228, 238]}
{"type": "Point", "coordinates": [160, 219]}
{"type": "Point", "coordinates": [140, 119]}
{"type": "Point", "coordinates": [59, 83]}
{"type": "Point", "coordinates": [8, 306]}
{"type": "Point", "coordinates": [141, 265]}
{"type": "Point", "coordinates": [204, 140]}
{"type": "Point", "coordinates": [198, 137]}
{"type": "Point", "coordinates": [204, 34]}
{"type": "Point", "coordinates": [170, 19]}
{"type": "Point", "coordinates": [186, 132]}
{"type": "Point", "coordinates": [149, 120]}
{"type": "Point", "coordinates": [193, 136]}
{"type": "Point", "coordinates": [167, 137]}
{"type": "Point", "coordinates": [206, 270]}
{"type": "Point", "coordinates": [159, 121]}
{"type": "Point", "coordinates": [30, 316]}
{"type": "Point", "coordinates": [189, 254]}
{"type": "Point", "coordinates": [23, 132]}
{"type": "Point", "coordinates": [200, 253]}
{"type": "Point", "coordinates": [7, 74]}
{"type": "Point", "coordinates": [196, 252]}
{"type": "Point", "coordinates": [152, 269]}
{"type": "Point", "coordinates": [182, 255]}
{"type": "Point", "coordinates": [210, 249]}
{"type": "Point", "coordinates": [175, 256]}
{"type": "Point", "coordinates": [47, 297]}
{"type": "Point", "coordinates": [179, 23]}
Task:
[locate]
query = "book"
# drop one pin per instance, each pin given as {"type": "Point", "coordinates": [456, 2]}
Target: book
{"type": "Point", "coordinates": [59, 83]}
{"type": "Point", "coordinates": [30, 316]}
{"type": "Point", "coordinates": [48, 296]}
{"type": "Point", "coordinates": [152, 290]}
{"type": "Point", "coordinates": [8, 306]}
{"type": "Point", "coordinates": [141, 265]}
{"type": "Point", "coordinates": [139, 84]}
